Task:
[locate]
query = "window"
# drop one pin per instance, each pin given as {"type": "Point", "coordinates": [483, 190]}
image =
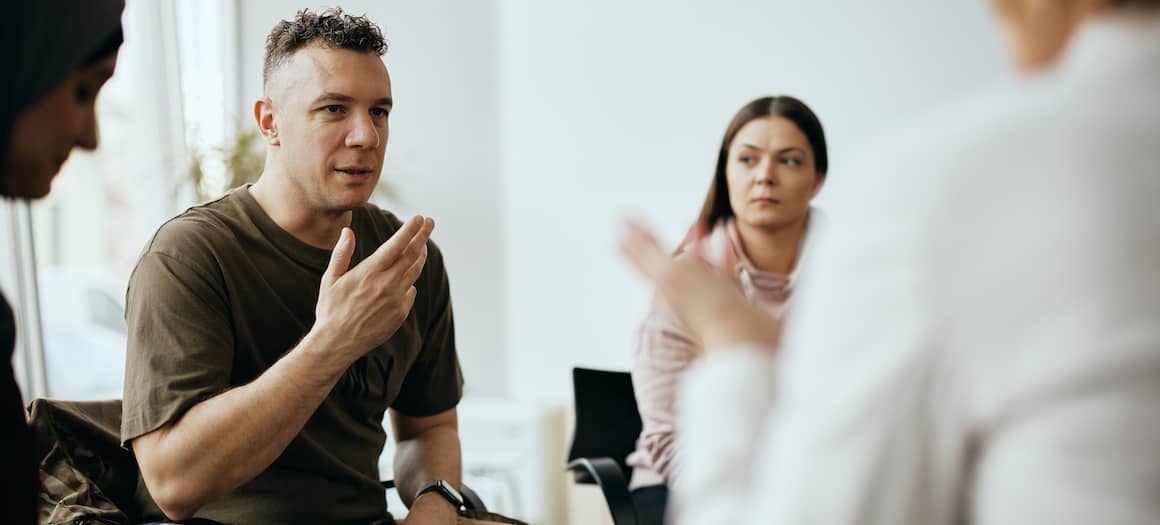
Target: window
{"type": "Point", "coordinates": [82, 241]}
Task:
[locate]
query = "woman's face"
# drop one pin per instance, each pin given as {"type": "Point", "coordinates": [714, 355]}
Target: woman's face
{"type": "Point", "coordinates": [770, 172]}
{"type": "Point", "coordinates": [45, 133]}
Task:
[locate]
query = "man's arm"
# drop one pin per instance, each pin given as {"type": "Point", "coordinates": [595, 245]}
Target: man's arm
{"type": "Point", "coordinates": [229, 439]}
{"type": "Point", "coordinates": [427, 450]}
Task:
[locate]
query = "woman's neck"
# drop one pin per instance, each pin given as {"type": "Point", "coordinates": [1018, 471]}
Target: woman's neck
{"type": "Point", "coordinates": [773, 250]}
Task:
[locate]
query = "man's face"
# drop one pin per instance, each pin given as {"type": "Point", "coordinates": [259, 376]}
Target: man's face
{"type": "Point", "coordinates": [329, 114]}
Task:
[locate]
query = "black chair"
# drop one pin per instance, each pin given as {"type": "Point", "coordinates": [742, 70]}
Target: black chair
{"type": "Point", "coordinates": [607, 427]}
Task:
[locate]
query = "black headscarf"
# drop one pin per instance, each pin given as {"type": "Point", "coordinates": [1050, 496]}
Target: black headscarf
{"type": "Point", "coordinates": [41, 42]}
{"type": "Point", "coordinates": [45, 40]}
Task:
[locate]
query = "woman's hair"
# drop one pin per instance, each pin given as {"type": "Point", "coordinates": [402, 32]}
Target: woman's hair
{"type": "Point", "coordinates": [44, 42]}
{"type": "Point", "coordinates": [717, 207]}
{"type": "Point", "coordinates": [106, 48]}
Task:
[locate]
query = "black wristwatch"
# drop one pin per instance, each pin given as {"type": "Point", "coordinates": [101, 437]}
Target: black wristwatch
{"type": "Point", "coordinates": [444, 489]}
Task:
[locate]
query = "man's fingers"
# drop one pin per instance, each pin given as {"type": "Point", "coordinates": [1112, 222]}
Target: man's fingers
{"type": "Point", "coordinates": [415, 254]}
{"type": "Point", "coordinates": [428, 226]}
{"type": "Point", "coordinates": [339, 258]}
{"type": "Point", "coordinates": [416, 268]}
{"type": "Point", "coordinates": [422, 236]}
{"type": "Point", "coordinates": [390, 251]}
{"type": "Point", "coordinates": [409, 298]}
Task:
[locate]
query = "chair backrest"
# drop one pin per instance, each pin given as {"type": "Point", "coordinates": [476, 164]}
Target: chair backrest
{"type": "Point", "coordinates": [607, 420]}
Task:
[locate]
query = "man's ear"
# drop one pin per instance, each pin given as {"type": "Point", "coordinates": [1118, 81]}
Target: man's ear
{"type": "Point", "coordinates": [264, 115]}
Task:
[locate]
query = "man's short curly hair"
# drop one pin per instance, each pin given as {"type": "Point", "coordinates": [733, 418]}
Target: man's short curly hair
{"type": "Point", "coordinates": [331, 28]}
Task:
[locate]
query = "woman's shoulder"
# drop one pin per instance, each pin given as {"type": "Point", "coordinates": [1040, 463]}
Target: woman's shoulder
{"type": "Point", "coordinates": [713, 248]}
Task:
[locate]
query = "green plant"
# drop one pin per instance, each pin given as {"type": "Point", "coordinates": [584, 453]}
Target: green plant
{"type": "Point", "coordinates": [242, 161]}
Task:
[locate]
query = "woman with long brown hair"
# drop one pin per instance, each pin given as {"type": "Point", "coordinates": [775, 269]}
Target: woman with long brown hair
{"type": "Point", "coordinates": [752, 228]}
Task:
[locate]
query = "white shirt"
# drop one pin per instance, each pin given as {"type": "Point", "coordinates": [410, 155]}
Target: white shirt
{"type": "Point", "coordinates": [976, 338]}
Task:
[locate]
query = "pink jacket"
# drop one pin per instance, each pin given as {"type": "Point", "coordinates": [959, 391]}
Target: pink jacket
{"type": "Point", "coordinates": [664, 350]}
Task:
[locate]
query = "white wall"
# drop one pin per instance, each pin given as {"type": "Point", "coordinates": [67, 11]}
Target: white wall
{"type": "Point", "coordinates": [443, 156]}
{"type": "Point", "coordinates": [530, 128]}
{"type": "Point", "coordinates": [614, 108]}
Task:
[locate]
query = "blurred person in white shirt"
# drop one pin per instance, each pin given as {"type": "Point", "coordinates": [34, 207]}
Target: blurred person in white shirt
{"type": "Point", "coordinates": [978, 337]}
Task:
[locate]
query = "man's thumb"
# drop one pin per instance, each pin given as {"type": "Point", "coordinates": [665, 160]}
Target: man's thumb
{"type": "Point", "coordinates": [340, 257]}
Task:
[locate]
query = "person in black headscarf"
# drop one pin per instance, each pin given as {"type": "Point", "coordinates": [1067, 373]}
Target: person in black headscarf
{"type": "Point", "coordinates": [57, 56]}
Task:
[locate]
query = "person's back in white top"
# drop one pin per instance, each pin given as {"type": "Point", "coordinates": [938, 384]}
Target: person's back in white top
{"type": "Point", "coordinates": [977, 338]}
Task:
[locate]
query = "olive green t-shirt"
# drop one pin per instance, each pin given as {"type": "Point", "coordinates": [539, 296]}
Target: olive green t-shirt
{"type": "Point", "coordinates": [219, 294]}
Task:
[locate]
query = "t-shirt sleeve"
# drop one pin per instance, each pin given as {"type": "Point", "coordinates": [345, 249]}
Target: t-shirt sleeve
{"type": "Point", "coordinates": [434, 382]}
{"type": "Point", "coordinates": [180, 342]}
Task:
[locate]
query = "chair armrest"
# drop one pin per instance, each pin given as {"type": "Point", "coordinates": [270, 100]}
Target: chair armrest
{"type": "Point", "coordinates": [607, 473]}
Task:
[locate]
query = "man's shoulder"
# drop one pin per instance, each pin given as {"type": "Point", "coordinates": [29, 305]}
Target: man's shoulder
{"type": "Point", "coordinates": [198, 230]}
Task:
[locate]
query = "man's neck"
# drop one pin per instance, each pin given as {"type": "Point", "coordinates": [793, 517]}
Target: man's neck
{"type": "Point", "coordinates": [773, 250]}
{"type": "Point", "coordinates": [290, 211]}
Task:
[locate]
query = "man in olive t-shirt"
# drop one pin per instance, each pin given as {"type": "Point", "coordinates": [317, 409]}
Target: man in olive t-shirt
{"type": "Point", "coordinates": [271, 330]}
